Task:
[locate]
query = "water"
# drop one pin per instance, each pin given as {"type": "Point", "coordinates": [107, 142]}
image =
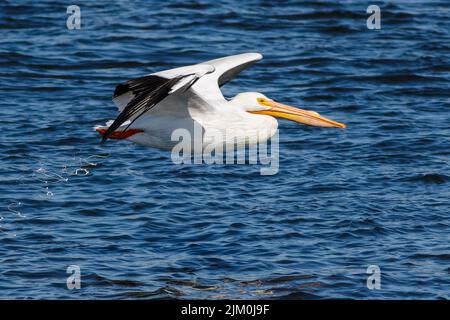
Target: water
{"type": "Point", "coordinates": [140, 226]}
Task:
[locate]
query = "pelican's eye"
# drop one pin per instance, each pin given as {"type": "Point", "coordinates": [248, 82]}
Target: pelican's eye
{"type": "Point", "coordinates": [262, 101]}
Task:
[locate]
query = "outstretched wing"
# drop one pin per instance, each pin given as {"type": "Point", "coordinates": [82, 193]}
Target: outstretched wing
{"type": "Point", "coordinates": [225, 69]}
{"type": "Point", "coordinates": [137, 96]}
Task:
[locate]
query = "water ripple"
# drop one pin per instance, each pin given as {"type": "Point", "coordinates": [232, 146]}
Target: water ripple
{"type": "Point", "coordinates": [141, 227]}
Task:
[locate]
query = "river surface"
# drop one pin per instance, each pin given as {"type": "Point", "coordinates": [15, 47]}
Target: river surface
{"type": "Point", "coordinates": [139, 226]}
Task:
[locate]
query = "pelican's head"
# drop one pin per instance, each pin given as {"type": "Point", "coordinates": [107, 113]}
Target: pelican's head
{"type": "Point", "coordinates": [257, 103]}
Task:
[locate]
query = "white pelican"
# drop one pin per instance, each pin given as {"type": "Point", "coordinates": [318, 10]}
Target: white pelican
{"type": "Point", "coordinates": [153, 106]}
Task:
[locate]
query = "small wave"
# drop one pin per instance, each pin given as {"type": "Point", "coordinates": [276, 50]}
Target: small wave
{"type": "Point", "coordinates": [88, 66]}
{"type": "Point", "coordinates": [189, 5]}
{"type": "Point", "coordinates": [439, 256]}
{"type": "Point", "coordinates": [161, 293]}
{"type": "Point", "coordinates": [101, 280]}
{"type": "Point", "coordinates": [432, 178]}
{"type": "Point", "coordinates": [339, 29]}
{"type": "Point", "coordinates": [399, 78]}
{"type": "Point", "coordinates": [299, 295]}
{"type": "Point", "coordinates": [316, 15]}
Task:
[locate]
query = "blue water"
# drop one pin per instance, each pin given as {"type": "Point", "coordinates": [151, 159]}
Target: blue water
{"type": "Point", "coordinates": [139, 226]}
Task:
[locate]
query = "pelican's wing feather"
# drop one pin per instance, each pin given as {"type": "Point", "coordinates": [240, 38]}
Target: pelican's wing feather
{"type": "Point", "coordinates": [137, 96]}
{"type": "Point", "coordinates": [225, 69]}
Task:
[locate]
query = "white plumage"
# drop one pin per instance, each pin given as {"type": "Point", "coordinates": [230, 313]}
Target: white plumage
{"type": "Point", "coordinates": [182, 98]}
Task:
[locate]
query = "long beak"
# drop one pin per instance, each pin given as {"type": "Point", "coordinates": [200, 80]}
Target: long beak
{"type": "Point", "coordinates": [307, 117]}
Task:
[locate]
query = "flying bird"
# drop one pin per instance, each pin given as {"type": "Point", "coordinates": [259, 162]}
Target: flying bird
{"type": "Point", "coordinates": [152, 107]}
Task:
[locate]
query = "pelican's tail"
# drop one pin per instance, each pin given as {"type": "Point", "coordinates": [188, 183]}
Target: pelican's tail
{"type": "Point", "coordinates": [123, 132]}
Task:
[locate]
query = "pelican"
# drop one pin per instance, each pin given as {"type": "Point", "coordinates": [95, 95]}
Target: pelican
{"type": "Point", "coordinates": [154, 106]}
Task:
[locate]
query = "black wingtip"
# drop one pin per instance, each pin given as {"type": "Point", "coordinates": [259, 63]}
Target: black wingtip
{"type": "Point", "coordinates": [147, 92]}
{"type": "Point", "coordinates": [121, 89]}
{"type": "Point", "coordinates": [104, 138]}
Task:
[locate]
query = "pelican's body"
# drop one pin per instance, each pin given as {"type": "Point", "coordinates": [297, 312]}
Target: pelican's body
{"type": "Point", "coordinates": [189, 98]}
{"type": "Point", "coordinates": [221, 118]}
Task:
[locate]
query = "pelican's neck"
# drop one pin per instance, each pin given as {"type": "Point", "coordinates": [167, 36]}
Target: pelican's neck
{"type": "Point", "coordinates": [237, 103]}
{"type": "Point", "coordinates": [256, 126]}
